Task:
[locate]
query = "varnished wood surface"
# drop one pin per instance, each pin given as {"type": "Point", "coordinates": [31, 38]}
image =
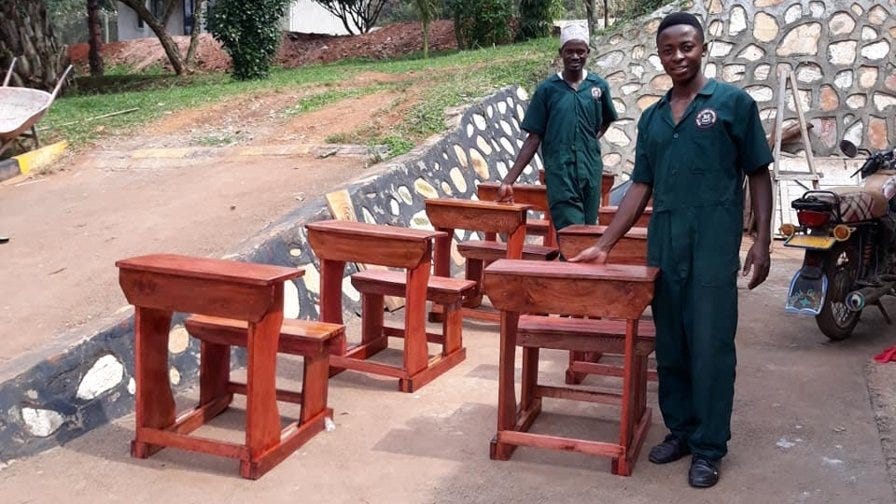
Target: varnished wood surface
{"type": "Point", "coordinates": [441, 290]}
{"type": "Point", "coordinates": [607, 213]}
{"type": "Point", "coordinates": [630, 249]}
{"type": "Point", "coordinates": [492, 250]}
{"type": "Point", "coordinates": [211, 269]}
{"type": "Point", "coordinates": [584, 271]}
{"type": "Point", "coordinates": [525, 194]}
{"type": "Point", "coordinates": [485, 216]}
{"type": "Point", "coordinates": [344, 241]}
{"type": "Point", "coordinates": [605, 290]}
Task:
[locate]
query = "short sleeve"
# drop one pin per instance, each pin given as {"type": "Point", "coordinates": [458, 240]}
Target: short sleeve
{"type": "Point", "coordinates": [753, 152]}
{"type": "Point", "coordinates": [643, 171]}
{"type": "Point", "coordinates": [608, 110]}
{"type": "Point", "coordinates": [536, 118]}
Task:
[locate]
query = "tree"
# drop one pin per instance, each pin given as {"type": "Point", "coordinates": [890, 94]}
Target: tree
{"type": "Point", "coordinates": [355, 14]}
{"type": "Point", "coordinates": [428, 10]}
{"type": "Point", "coordinates": [26, 33]}
{"type": "Point", "coordinates": [250, 32]}
{"type": "Point", "coordinates": [157, 25]}
{"type": "Point", "coordinates": [593, 13]}
{"type": "Point", "coordinates": [198, 19]}
{"type": "Point", "coordinates": [95, 38]}
{"type": "Point", "coordinates": [535, 19]}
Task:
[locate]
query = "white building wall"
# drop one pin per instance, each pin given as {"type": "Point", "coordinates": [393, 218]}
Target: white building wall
{"type": "Point", "coordinates": [307, 16]}
{"type": "Point", "coordinates": [129, 26]}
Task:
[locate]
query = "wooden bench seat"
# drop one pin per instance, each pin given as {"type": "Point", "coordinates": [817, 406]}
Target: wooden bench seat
{"type": "Point", "coordinates": [446, 292]}
{"type": "Point", "coordinates": [605, 215]}
{"type": "Point", "coordinates": [489, 251]}
{"type": "Point", "coordinates": [309, 339]}
{"type": "Point", "coordinates": [563, 333]}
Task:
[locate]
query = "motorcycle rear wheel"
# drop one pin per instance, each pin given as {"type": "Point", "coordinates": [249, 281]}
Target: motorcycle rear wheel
{"type": "Point", "coordinates": [841, 267]}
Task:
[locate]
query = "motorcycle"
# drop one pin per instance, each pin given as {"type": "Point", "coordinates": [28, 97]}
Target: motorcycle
{"type": "Point", "coordinates": [849, 238]}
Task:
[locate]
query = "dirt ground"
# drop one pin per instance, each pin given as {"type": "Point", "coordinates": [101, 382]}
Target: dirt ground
{"type": "Point", "coordinates": [296, 49]}
{"type": "Point", "coordinates": [158, 189]}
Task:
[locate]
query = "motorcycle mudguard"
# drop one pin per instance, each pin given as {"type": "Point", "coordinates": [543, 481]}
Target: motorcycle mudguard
{"type": "Point", "coordinates": [807, 291]}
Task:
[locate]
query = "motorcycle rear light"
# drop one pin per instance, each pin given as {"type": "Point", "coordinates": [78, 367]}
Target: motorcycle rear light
{"type": "Point", "coordinates": [787, 230]}
{"type": "Point", "coordinates": [842, 232]}
{"type": "Point", "coordinates": [812, 219]}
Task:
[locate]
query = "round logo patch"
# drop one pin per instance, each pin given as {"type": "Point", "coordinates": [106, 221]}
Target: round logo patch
{"type": "Point", "coordinates": [706, 118]}
{"type": "Point", "coordinates": [596, 93]}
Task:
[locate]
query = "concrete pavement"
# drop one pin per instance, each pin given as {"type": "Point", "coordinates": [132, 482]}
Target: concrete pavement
{"type": "Point", "coordinates": [804, 432]}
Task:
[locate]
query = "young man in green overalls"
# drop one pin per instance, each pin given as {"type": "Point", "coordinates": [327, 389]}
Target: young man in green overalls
{"type": "Point", "coordinates": [567, 115]}
{"type": "Point", "coordinates": [694, 147]}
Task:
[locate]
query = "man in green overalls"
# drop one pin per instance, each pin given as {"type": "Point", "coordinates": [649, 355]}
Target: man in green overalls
{"type": "Point", "coordinates": [567, 115]}
{"type": "Point", "coordinates": [694, 147]}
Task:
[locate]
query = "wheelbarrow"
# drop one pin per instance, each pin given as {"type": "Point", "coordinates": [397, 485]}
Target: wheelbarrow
{"type": "Point", "coordinates": [21, 108]}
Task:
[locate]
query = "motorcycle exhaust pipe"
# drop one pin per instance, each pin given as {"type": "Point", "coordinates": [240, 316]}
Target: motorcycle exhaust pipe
{"type": "Point", "coordinates": [857, 300]}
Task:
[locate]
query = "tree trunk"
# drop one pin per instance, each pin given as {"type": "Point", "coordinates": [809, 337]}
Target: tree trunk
{"type": "Point", "coordinates": [158, 27]}
{"type": "Point", "coordinates": [198, 18]}
{"type": "Point", "coordinates": [26, 33]}
{"type": "Point", "coordinates": [95, 37]}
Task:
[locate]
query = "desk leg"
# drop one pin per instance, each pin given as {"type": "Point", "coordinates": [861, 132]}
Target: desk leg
{"type": "Point", "coordinates": [416, 352]}
{"type": "Point", "coordinates": [441, 260]}
{"type": "Point", "coordinates": [622, 465]}
{"type": "Point", "coordinates": [154, 400]}
{"type": "Point", "coordinates": [262, 414]}
{"type": "Point", "coordinates": [506, 393]}
{"type": "Point", "coordinates": [331, 273]}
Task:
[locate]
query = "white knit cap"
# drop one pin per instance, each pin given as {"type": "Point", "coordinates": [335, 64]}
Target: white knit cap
{"type": "Point", "coordinates": [574, 31]}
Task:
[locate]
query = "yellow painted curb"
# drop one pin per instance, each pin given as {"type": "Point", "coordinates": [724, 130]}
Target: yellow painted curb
{"type": "Point", "coordinates": [40, 158]}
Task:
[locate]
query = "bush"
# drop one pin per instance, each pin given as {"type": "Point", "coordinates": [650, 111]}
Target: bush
{"type": "Point", "coordinates": [535, 19]}
{"type": "Point", "coordinates": [250, 33]}
{"type": "Point", "coordinates": [482, 23]}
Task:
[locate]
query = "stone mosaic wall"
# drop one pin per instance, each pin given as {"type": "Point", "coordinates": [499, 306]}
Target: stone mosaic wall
{"type": "Point", "coordinates": [841, 53]}
{"type": "Point", "coordinates": [69, 394]}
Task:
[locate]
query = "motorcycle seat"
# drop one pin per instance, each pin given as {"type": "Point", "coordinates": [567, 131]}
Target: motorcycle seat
{"type": "Point", "coordinates": [860, 203]}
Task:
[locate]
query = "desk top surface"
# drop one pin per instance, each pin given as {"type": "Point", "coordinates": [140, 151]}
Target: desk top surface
{"type": "Point", "coordinates": [373, 230]}
{"type": "Point", "coordinates": [574, 271]}
{"type": "Point", "coordinates": [591, 230]}
{"type": "Point", "coordinates": [477, 204]}
{"type": "Point", "coordinates": [210, 269]}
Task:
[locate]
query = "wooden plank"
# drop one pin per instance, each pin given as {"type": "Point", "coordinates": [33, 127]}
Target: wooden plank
{"type": "Point", "coordinates": [241, 273]}
{"type": "Point", "coordinates": [607, 213]}
{"type": "Point", "coordinates": [560, 443]}
{"type": "Point", "coordinates": [630, 249]}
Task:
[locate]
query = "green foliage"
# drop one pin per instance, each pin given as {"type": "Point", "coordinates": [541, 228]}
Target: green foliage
{"type": "Point", "coordinates": [481, 23]}
{"type": "Point", "coordinates": [250, 33]}
{"type": "Point", "coordinates": [535, 19]}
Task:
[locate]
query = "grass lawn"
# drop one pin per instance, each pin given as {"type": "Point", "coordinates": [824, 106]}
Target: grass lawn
{"type": "Point", "coordinates": [446, 80]}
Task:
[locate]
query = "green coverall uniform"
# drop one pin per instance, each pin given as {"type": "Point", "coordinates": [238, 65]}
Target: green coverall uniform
{"type": "Point", "coordinates": [568, 122]}
{"type": "Point", "coordinates": [696, 169]}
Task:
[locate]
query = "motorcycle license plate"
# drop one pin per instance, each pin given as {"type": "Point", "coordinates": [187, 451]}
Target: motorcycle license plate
{"type": "Point", "coordinates": [810, 242]}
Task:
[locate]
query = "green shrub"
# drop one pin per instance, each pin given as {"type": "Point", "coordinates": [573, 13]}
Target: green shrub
{"type": "Point", "coordinates": [250, 33]}
{"type": "Point", "coordinates": [535, 19]}
{"type": "Point", "coordinates": [482, 23]}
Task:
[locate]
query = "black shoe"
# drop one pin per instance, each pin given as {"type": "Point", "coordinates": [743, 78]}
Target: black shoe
{"type": "Point", "coordinates": [670, 450]}
{"type": "Point", "coordinates": [704, 472]}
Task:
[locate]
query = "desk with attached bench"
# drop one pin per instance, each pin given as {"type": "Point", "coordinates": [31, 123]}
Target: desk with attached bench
{"type": "Point", "coordinates": [526, 290]}
{"type": "Point", "coordinates": [158, 285]}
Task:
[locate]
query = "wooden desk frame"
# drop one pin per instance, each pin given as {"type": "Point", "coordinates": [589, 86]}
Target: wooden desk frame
{"type": "Point", "coordinates": [158, 285]}
{"type": "Point", "coordinates": [337, 242]}
{"type": "Point", "coordinates": [584, 290]}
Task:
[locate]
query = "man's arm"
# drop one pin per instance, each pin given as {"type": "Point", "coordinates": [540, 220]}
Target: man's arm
{"type": "Point", "coordinates": [527, 152]}
{"type": "Point", "coordinates": [758, 258]}
{"type": "Point", "coordinates": [632, 206]}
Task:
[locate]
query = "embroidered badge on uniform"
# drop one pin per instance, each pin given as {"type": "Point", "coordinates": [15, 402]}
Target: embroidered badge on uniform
{"type": "Point", "coordinates": [706, 118]}
{"type": "Point", "coordinates": [596, 93]}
